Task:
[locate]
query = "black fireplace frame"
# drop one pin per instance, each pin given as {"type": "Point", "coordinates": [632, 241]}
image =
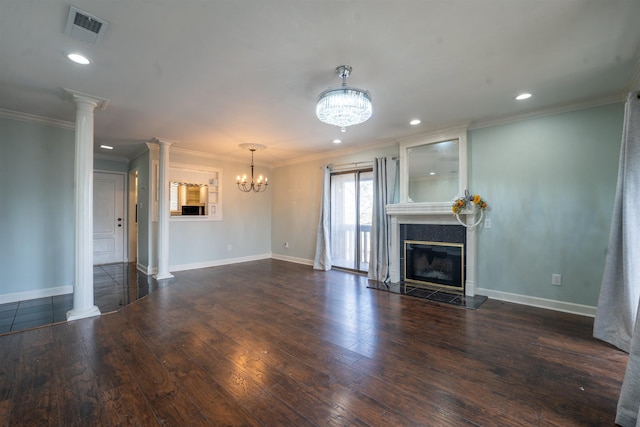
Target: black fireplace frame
{"type": "Point", "coordinates": [456, 284]}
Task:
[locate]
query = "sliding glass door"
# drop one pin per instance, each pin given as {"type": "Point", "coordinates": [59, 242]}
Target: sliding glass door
{"type": "Point", "coordinates": [351, 214]}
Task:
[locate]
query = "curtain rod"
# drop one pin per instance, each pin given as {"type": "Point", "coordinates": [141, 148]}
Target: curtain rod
{"type": "Point", "coordinates": [354, 164]}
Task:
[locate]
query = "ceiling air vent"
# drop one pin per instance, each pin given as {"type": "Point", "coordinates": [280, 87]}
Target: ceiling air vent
{"type": "Point", "coordinates": [84, 26]}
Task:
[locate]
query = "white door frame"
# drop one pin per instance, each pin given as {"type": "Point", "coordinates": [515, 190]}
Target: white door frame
{"type": "Point", "coordinates": [132, 224]}
{"type": "Point", "coordinates": [125, 204]}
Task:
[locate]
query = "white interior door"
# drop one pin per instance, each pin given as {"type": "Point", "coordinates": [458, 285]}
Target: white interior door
{"type": "Point", "coordinates": [108, 218]}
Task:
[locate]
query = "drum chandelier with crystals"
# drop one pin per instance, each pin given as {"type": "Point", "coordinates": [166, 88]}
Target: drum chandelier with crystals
{"type": "Point", "coordinates": [344, 106]}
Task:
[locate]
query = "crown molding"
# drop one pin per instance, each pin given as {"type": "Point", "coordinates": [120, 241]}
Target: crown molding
{"type": "Point", "coordinates": [565, 108]}
{"type": "Point", "coordinates": [219, 157]}
{"type": "Point", "coordinates": [336, 153]}
{"type": "Point", "coordinates": [440, 133]}
{"type": "Point", "coordinates": [192, 167]}
{"type": "Point", "coordinates": [32, 118]}
{"type": "Point", "coordinates": [153, 146]}
{"type": "Point", "coordinates": [203, 154]}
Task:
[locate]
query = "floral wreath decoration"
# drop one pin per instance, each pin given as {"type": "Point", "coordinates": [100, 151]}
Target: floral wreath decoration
{"type": "Point", "coordinates": [461, 203]}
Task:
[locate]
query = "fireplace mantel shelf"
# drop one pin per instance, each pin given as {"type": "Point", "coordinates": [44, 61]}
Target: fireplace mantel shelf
{"type": "Point", "coordinates": [437, 208]}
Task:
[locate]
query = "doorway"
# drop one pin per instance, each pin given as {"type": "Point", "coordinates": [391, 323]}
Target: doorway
{"type": "Point", "coordinates": [108, 218]}
{"type": "Point", "coordinates": [351, 217]}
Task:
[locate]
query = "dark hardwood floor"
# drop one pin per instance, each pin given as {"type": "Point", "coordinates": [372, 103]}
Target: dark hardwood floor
{"type": "Point", "coordinates": [275, 343]}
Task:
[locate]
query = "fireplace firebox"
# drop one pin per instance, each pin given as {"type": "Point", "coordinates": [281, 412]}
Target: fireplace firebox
{"type": "Point", "coordinates": [434, 265]}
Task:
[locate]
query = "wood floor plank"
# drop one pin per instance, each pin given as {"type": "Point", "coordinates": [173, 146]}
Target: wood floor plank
{"type": "Point", "coordinates": [123, 400]}
{"type": "Point", "coordinates": [212, 400]}
{"type": "Point", "coordinates": [251, 388]}
{"type": "Point", "coordinates": [79, 399]}
{"type": "Point", "coordinates": [170, 405]}
{"type": "Point", "coordinates": [121, 404]}
{"type": "Point", "coordinates": [34, 399]}
{"type": "Point", "coordinates": [5, 411]}
{"type": "Point", "coordinates": [10, 352]}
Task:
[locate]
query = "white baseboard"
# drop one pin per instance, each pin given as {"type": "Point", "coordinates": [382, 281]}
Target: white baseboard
{"type": "Point", "coordinates": [216, 263]}
{"type": "Point", "coordinates": [146, 270]}
{"type": "Point", "coordinates": [35, 294]}
{"type": "Point", "coordinates": [566, 307]}
{"type": "Point", "coordinates": [292, 259]}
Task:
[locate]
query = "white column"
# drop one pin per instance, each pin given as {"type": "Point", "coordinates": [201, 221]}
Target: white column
{"type": "Point", "coordinates": [83, 305]}
{"type": "Point", "coordinates": [163, 211]}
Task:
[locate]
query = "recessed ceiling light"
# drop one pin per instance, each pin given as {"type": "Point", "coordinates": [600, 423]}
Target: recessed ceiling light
{"type": "Point", "coordinates": [523, 96]}
{"type": "Point", "coordinates": [78, 59]}
{"type": "Point", "coordinates": [432, 173]}
{"type": "Point", "coordinates": [106, 147]}
{"type": "Point", "coordinates": [337, 141]}
{"type": "Point", "coordinates": [415, 122]}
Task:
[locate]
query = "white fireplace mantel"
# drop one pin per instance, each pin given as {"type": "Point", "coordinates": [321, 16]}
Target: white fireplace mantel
{"type": "Point", "coordinates": [431, 213]}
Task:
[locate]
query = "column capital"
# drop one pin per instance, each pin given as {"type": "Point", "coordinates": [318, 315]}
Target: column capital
{"type": "Point", "coordinates": [85, 99]}
{"type": "Point", "coordinates": [162, 141]}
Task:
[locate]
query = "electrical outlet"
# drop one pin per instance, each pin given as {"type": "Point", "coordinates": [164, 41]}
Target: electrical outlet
{"type": "Point", "coordinates": [556, 279]}
{"type": "Point", "coordinates": [229, 247]}
{"type": "Point", "coordinates": [487, 223]}
{"type": "Point", "coordinates": [286, 245]}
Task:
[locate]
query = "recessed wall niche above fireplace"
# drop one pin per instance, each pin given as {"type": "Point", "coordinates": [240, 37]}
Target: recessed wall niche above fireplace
{"type": "Point", "coordinates": [434, 265]}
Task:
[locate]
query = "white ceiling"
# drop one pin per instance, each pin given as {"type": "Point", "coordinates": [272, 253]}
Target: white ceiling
{"type": "Point", "coordinates": [215, 74]}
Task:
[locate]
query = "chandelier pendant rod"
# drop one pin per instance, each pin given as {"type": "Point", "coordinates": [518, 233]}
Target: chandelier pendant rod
{"type": "Point", "coordinates": [253, 150]}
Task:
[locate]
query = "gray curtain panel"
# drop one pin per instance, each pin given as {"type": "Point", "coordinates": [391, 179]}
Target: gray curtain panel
{"type": "Point", "coordinates": [322, 259]}
{"type": "Point", "coordinates": [620, 290]}
{"type": "Point", "coordinates": [628, 413]}
{"type": "Point", "coordinates": [616, 319]}
{"type": "Point", "coordinates": [384, 185]}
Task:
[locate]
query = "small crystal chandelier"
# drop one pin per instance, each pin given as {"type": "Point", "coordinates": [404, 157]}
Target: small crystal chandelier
{"type": "Point", "coordinates": [344, 106]}
{"type": "Point", "coordinates": [258, 186]}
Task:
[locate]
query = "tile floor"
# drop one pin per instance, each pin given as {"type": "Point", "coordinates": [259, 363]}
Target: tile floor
{"type": "Point", "coordinates": [437, 295]}
{"type": "Point", "coordinates": [115, 285]}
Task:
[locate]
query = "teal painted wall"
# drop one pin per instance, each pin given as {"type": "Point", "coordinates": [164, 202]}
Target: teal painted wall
{"type": "Point", "coordinates": [36, 206]}
{"type": "Point", "coordinates": [550, 183]}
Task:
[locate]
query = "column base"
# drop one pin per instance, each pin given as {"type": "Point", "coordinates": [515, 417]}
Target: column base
{"type": "Point", "coordinates": [162, 276]}
{"type": "Point", "coordinates": [75, 314]}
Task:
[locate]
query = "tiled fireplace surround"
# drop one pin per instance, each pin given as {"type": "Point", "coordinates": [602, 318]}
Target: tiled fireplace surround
{"type": "Point", "coordinates": [434, 216]}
